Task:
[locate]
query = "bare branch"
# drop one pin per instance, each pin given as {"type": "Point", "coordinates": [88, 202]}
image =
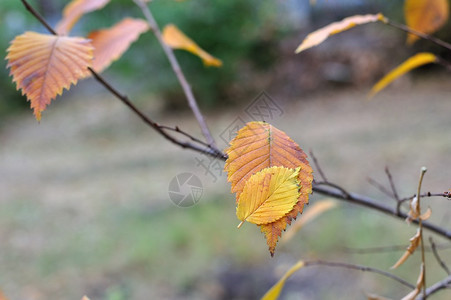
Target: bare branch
{"type": "Point", "coordinates": [392, 183]}
{"type": "Point", "coordinates": [437, 256]}
{"type": "Point", "coordinates": [359, 268]}
{"type": "Point", "coordinates": [417, 33]}
{"type": "Point", "coordinates": [184, 144]}
{"type": "Point", "coordinates": [39, 17]}
{"type": "Point", "coordinates": [178, 72]}
{"type": "Point", "coordinates": [444, 284]}
{"type": "Point", "coordinates": [318, 167]}
{"type": "Point", "coordinates": [392, 248]}
{"type": "Point", "coordinates": [381, 188]}
{"type": "Point", "coordinates": [376, 205]}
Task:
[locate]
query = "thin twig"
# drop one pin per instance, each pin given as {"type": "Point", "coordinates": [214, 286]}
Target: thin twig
{"type": "Point", "coordinates": [381, 188]}
{"type": "Point", "coordinates": [417, 33]}
{"type": "Point", "coordinates": [335, 186]}
{"type": "Point", "coordinates": [178, 130]}
{"type": "Point", "coordinates": [178, 72]}
{"type": "Point", "coordinates": [127, 102]}
{"type": "Point", "coordinates": [359, 268]}
{"type": "Point", "coordinates": [392, 183]}
{"type": "Point", "coordinates": [376, 205]}
{"type": "Point", "coordinates": [426, 195]}
{"type": "Point", "coordinates": [318, 167]}
{"type": "Point", "coordinates": [329, 190]}
{"type": "Point", "coordinates": [392, 248]}
{"type": "Point", "coordinates": [437, 256]}
{"type": "Point", "coordinates": [39, 17]}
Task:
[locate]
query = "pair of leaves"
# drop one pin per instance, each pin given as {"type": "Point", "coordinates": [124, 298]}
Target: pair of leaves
{"type": "Point", "coordinates": [265, 165]}
{"type": "Point", "coordinates": [44, 65]}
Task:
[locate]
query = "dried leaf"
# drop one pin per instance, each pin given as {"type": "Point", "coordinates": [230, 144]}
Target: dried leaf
{"type": "Point", "coordinates": [414, 242]}
{"type": "Point", "coordinates": [110, 44]}
{"type": "Point", "coordinates": [317, 37]}
{"type": "Point", "coordinates": [257, 146]}
{"type": "Point", "coordinates": [376, 297]}
{"type": "Point", "coordinates": [85, 298]}
{"type": "Point", "coordinates": [413, 213]}
{"type": "Point", "coordinates": [274, 292]}
{"type": "Point", "coordinates": [316, 210]}
{"type": "Point", "coordinates": [426, 16]}
{"type": "Point", "coordinates": [268, 195]}
{"type": "Point", "coordinates": [74, 11]}
{"type": "Point", "coordinates": [412, 295]}
{"type": "Point", "coordinates": [176, 39]}
{"type": "Point", "coordinates": [426, 215]}
{"type": "Point", "coordinates": [43, 65]}
{"type": "Point", "coordinates": [413, 62]}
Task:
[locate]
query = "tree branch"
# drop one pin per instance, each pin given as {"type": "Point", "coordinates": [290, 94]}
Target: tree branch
{"type": "Point", "coordinates": [376, 205]}
{"type": "Point", "coordinates": [184, 144]}
{"type": "Point", "coordinates": [178, 72]}
{"type": "Point", "coordinates": [437, 256]}
{"type": "Point", "coordinates": [328, 189]}
{"type": "Point", "coordinates": [444, 284]}
{"type": "Point", "coordinates": [359, 268]}
{"type": "Point", "coordinates": [417, 33]}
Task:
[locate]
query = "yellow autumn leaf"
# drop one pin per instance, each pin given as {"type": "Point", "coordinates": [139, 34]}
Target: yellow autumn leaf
{"type": "Point", "coordinates": [414, 242]}
{"type": "Point", "coordinates": [313, 212]}
{"type": "Point", "coordinates": [317, 37]}
{"type": "Point", "coordinates": [413, 62]}
{"type": "Point", "coordinates": [176, 39]}
{"type": "Point", "coordinates": [268, 195]}
{"type": "Point", "coordinates": [109, 44]}
{"type": "Point", "coordinates": [74, 11]}
{"type": "Point", "coordinates": [257, 146]}
{"type": "Point", "coordinates": [43, 65]}
{"type": "Point", "coordinates": [426, 16]}
{"type": "Point", "coordinates": [274, 292]}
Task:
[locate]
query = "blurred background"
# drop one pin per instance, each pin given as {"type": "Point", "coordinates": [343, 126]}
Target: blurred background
{"type": "Point", "coordinates": [84, 202]}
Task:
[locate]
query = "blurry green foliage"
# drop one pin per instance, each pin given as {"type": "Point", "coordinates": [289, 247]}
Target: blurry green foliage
{"type": "Point", "coordinates": [242, 34]}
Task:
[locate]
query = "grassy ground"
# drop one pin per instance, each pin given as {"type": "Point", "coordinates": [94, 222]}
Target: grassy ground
{"type": "Point", "coordinates": [85, 208]}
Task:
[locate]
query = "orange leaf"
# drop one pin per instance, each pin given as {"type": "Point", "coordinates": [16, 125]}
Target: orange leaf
{"type": "Point", "coordinates": [426, 16]}
{"type": "Point", "coordinates": [317, 37]}
{"type": "Point", "coordinates": [176, 39]}
{"type": "Point", "coordinates": [268, 195]}
{"type": "Point", "coordinates": [260, 145]}
{"type": "Point", "coordinates": [413, 62]}
{"type": "Point", "coordinates": [414, 242]}
{"type": "Point", "coordinates": [43, 65]}
{"type": "Point", "coordinates": [74, 10]}
{"type": "Point", "coordinates": [110, 44]}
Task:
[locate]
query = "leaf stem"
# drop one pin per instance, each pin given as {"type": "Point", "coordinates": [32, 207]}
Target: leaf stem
{"type": "Point", "coordinates": [241, 224]}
